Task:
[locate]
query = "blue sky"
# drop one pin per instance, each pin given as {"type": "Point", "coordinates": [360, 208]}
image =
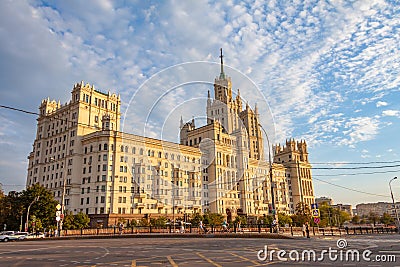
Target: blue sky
{"type": "Point", "coordinates": [329, 71]}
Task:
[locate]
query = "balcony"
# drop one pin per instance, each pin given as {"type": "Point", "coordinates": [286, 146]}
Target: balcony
{"type": "Point", "coordinates": [139, 195]}
{"type": "Point", "coordinates": [139, 205]}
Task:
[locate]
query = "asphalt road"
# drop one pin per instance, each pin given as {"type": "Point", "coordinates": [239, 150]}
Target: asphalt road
{"type": "Point", "coordinates": [201, 252]}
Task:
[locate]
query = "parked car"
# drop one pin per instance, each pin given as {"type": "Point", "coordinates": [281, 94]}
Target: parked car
{"type": "Point", "coordinates": [7, 236]}
{"type": "Point", "coordinates": [21, 235]}
{"type": "Point", "coordinates": [35, 235]}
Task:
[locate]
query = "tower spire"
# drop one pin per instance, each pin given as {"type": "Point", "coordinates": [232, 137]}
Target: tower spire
{"type": "Point", "coordinates": [222, 74]}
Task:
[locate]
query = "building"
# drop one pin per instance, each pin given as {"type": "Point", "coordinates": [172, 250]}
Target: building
{"type": "Point", "coordinates": [90, 166]}
{"type": "Point", "coordinates": [344, 207]}
{"type": "Point", "coordinates": [320, 200]}
{"type": "Point", "coordinates": [378, 208]}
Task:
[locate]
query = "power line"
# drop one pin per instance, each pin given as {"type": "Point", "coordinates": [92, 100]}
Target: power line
{"type": "Point", "coordinates": [352, 174]}
{"type": "Point", "coordinates": [350, 189]}
{"type": "Point", "coordinates": [318, 168]}
{"type": "Point", "coordinates": [357, 168]}
{"type": "Point", "coordinates": [355, 163]}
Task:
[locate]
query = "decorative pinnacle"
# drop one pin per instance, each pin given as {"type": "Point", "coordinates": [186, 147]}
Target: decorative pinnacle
{"type": "Point", "coordinates": [222, 74]}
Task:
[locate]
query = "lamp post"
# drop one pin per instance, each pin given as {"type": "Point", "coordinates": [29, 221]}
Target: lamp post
{"type": "Point", "coordinates": [27, 213]}
{"type": "Point", "coordinates": [270, 172]}
{"type": "Point", "coordinates": [394, 205]}
{"type": "Point", "coordinates": [62, 206]}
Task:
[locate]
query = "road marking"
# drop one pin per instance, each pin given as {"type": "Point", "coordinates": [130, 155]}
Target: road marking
{"type": "Point", "coordinates": [246, 259]}
{"type": "Point", "coordinates": [172, 261]}
{"type": "Point", "coordinates": [209, 260]}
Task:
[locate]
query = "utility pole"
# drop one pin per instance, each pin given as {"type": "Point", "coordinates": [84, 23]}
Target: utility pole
{"type": "Point", "coordinates": [270, 175]}
{"type": "Point", "coordinates": [394, 205]}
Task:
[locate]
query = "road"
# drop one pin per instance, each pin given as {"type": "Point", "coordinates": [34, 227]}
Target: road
{"type": "Point", "coordinates": [195, 252]}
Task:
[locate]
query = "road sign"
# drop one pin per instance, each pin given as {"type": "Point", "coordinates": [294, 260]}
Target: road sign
{"type": "Point", "coordinates": [62, 216]}
{"type": "Point", "coordinates": [58, 213]}
{"type": "Point", "coordinates": [315, 213]}
{"type": "Point", "coordinates": [317, 220]}
{"type": "Point", "coordinates": [58, 207]}
{"type": "Point", "coordinates": [58, 219]}
{"type": "Point", "coordinates": [314, 206]}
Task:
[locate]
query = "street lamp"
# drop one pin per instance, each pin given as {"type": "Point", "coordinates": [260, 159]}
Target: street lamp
{"type": "Point", "coordinates": [270, 171]}
{"type": "Point", "coordinates": [27, 213]}
{"type": "Point", "coordinates": [394, 205]}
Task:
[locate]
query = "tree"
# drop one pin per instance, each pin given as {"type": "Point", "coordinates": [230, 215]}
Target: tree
{"type": "Point", "coordinates": [302, 215]}
{"type": "Point", "coordinates": [284, 219]}
{"type": "Point", "coordinates": [11, 211]}
{"type": "Point", "coordinates": [77, 221]}
{"type": "Point", "coordinates": [386, 219]}
{"type": "Point", "coordinates": [160, 221]}
{"type": "Point", "coordinates": [213, 218]}
{"type": "Point", "coordinates": [68, 222]}
{"type": "Point", "coordinates": [81, 220]}
{"type": "Point", "coordinates": [196, 218]}
{"type": "Point", "coordinates": [242, 219]}
{"type": "Point", "coordinates": [356, 219]}
{"type": "Point", "coordinates": [44, 208]}
{"type": "Point", "coordinates": [373, 218]}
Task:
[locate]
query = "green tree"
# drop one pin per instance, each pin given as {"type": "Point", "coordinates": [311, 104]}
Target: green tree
{"type": "Point", "coordinates": [81, 220]}
{"type": "Point", "coordinates": [160, 221]}
{"type": "Point", "coordinates": [196, 218]}
{"type": "Point", "coordinates": [302, 215]}
{"type": "Point", "coordinates": [242, 219]}
{"type": "Point", "coordinates": [356, 219]}
{"type": "Point", "coordinates": [284, 219]}
{"type": "Point", "coordinates": [43, 209]}
{"type": "Point", "coordinates": [14, 207]}
{"type": "Point", "coordinates": [68, 222]}
{"type": "Point", "coordinates": [77, 221]}
{"type": "Point", "coordinates": [373, 218]}
{"type": "Point", "coordinates": [213, 218]}
{"type": "Point", "coordinates": [342, 217]}
{"type": "Point", "coordinates": [386, 219]}
{"type": "Point", "coordinates": [12, 210]}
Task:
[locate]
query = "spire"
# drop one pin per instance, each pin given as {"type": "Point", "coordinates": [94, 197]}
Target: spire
{"type": "Point", "coordinates": [208, 94]}
{"type": "Point", "coordinates": [222, 74]}
{"type": "Point", "coordinates": [181, 124]}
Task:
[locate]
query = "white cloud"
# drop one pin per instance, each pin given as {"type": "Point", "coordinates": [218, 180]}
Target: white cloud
{"type": "Point", "coordinates": [381, 104]}
{"type": "Point", "coordinates": [391, 113]}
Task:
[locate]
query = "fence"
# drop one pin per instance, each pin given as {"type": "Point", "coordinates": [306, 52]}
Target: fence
{"type": "Point", "coordinates": [250, 228]}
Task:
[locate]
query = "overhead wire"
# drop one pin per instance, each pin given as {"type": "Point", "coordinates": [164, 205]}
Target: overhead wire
{"type": "Point", "coordinates": [313, 168]}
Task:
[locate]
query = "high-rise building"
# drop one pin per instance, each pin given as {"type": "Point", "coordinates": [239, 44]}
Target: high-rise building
{"type": "Point", "coordinates": [80, 155]}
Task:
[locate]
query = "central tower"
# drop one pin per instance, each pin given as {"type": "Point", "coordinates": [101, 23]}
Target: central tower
{"type": "Point", "coordinates": [223, 108]}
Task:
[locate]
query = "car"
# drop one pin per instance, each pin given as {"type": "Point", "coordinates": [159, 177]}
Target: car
{"type": "Point", "coordinates": [20, 235]}
{"type": "Point", "coordinates": [8, 236]}
{"type": "Point", "coordinates": [35, 235]}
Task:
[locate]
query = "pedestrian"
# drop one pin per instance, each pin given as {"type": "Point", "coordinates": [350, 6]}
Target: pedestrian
{"type": "Point", "coordinates": [201, 228]}
{"type": "Point", "coordinates": [304, 230]}
{"type": "Point", "coordinates": [182, 227]}
{"type": "Point", "coordinates": [224, 226]}
{"type": "Point", "coordinates": [121, 228]}
{"type": "Point", "coordinates": [307, 231]}
{"type": "Point", "coordinates": [239, 227]}
{"type": "Point", "coordinates": [274, 226]}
